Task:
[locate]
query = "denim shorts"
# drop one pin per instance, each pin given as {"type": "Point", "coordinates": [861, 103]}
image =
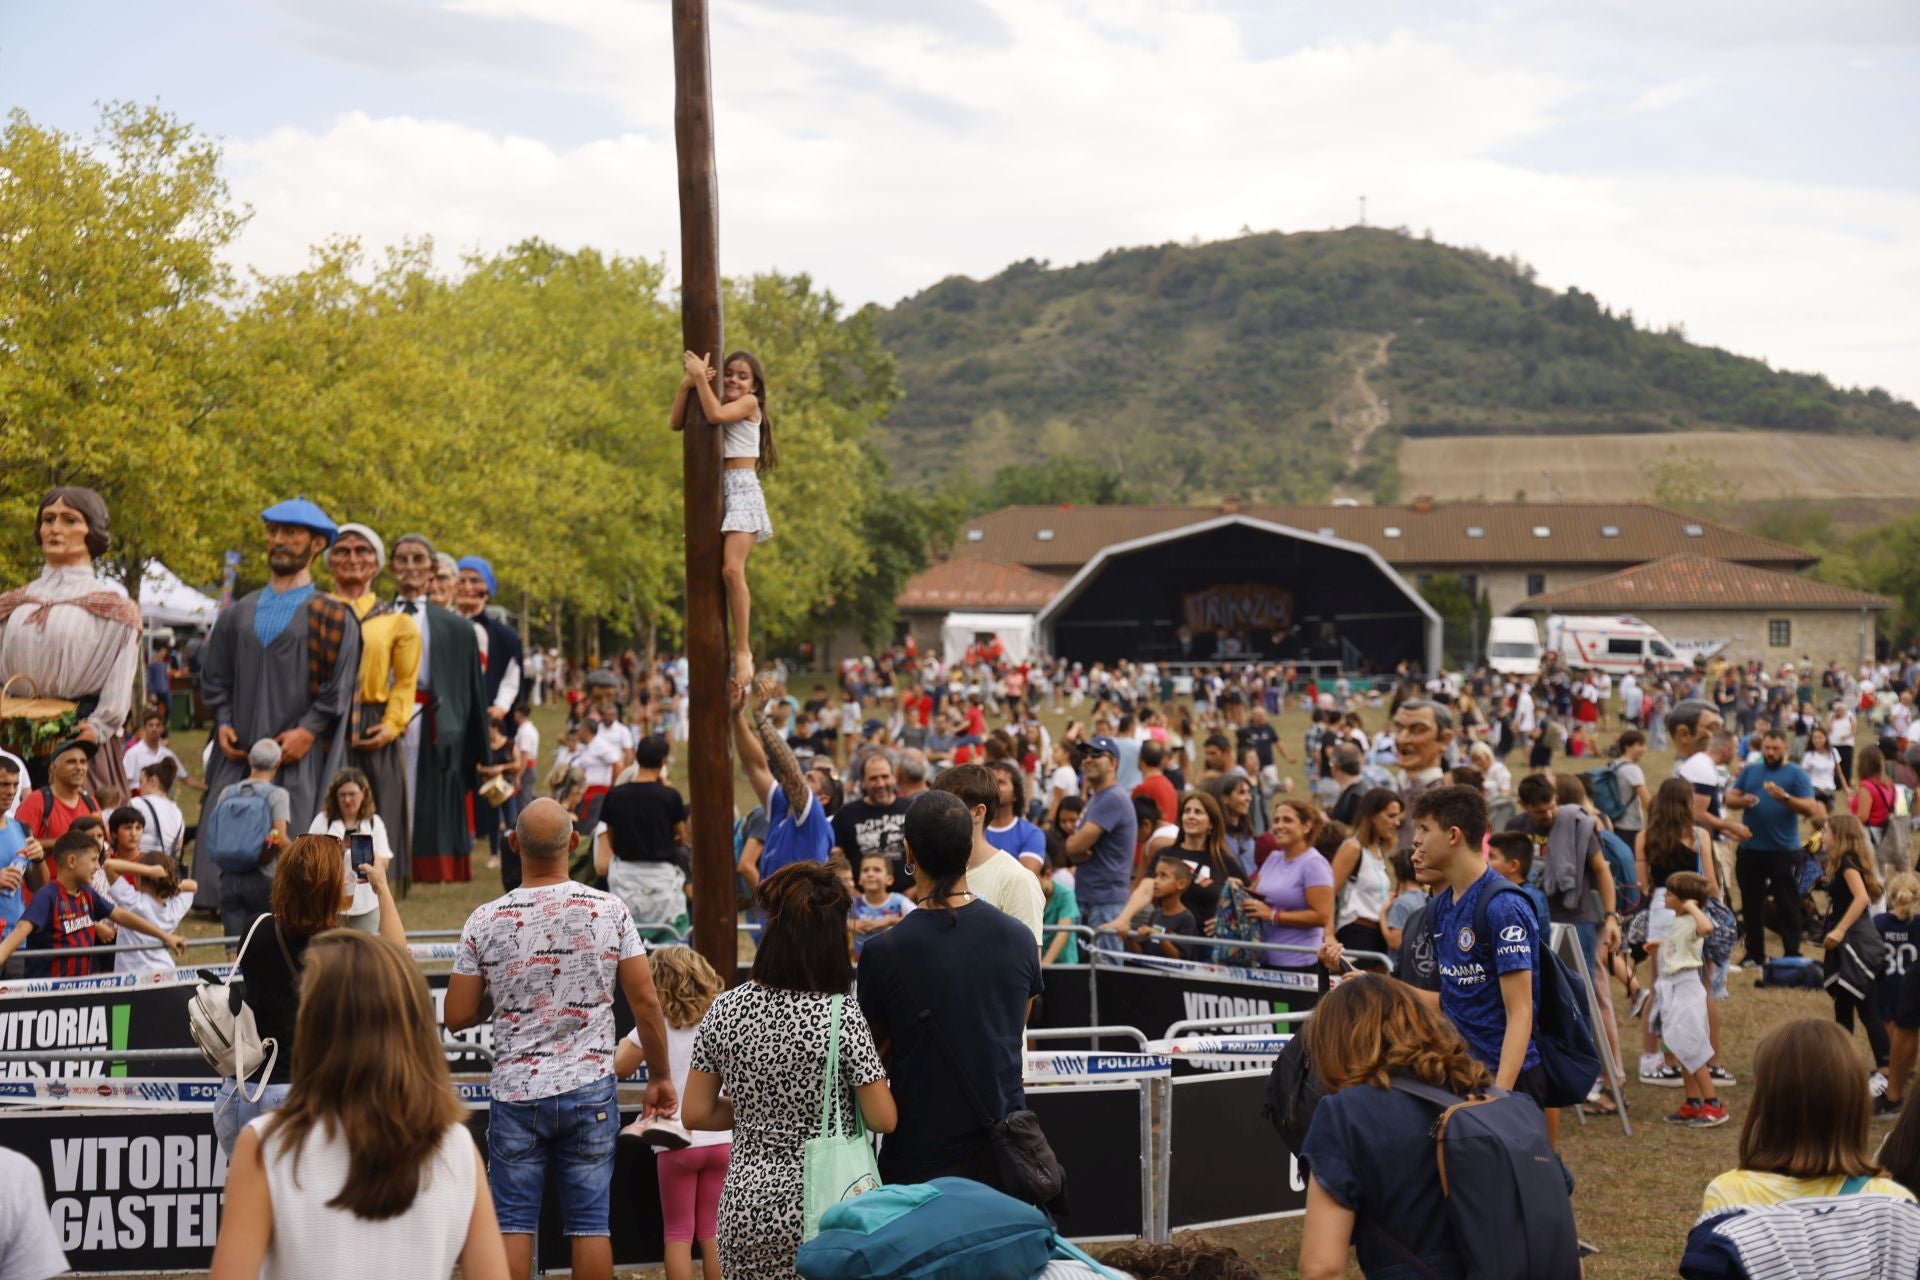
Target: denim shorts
{"type": "Point", "coordinates": [574, 1131]}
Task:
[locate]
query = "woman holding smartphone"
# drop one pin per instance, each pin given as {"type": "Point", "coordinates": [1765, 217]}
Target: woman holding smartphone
{"type": "Point", "coordinates": [348, 816]}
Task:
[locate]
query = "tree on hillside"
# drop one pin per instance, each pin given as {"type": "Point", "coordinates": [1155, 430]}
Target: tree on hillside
{"type": "Point", "coordinates": [1079, 481]}
{"type": "Point", "coordinates": [1684, 481]}
{"type": "Point", "coordinates": [112, 287]}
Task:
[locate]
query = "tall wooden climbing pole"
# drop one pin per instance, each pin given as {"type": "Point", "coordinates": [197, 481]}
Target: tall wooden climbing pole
{"type": "Point", "coordinates": [709, 764]}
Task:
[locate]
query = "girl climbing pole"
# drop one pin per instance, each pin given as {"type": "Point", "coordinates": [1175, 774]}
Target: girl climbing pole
{"type": "Point", "coordinates": [740, 411]}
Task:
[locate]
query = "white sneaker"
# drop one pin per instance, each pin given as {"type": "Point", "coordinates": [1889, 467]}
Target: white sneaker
{"type": "Point", "coordinates": [659, 1133]}
{"type": "Point", "coordinates": [1664, 1077]}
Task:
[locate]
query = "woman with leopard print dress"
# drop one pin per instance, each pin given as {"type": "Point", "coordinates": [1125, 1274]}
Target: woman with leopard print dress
{"type": "Point", "coordinates": [765, 1043]}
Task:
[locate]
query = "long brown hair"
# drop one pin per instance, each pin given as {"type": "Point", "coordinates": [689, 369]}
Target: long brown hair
{"type": "Point", "coordinates": [1846, 838]}
{"type": "Point", "coordinates": [769, 456]}
{"type": "Point", "coordinates": [1369, 1027]}
{"type": "Point", "coordinates": [370, 1070]}
{"type": "Point", "coordinates": [1216, 828]}
{"type": "Point", "coordinates": [1220, 788]}
{"type": "Point", "coordinates": [1668, 840]}
{"type": "Point", "coordinates": [309, 886]}
{"type": "Point", "coordinates": [1811, 1107]}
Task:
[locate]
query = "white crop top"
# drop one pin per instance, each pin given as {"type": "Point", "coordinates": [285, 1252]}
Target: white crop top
{"type": "Point", "coordinates": [741, 439]}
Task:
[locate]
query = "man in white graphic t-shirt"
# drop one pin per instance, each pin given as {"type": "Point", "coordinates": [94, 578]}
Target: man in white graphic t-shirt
{"type": "Point", "coordinates": [549, 955]}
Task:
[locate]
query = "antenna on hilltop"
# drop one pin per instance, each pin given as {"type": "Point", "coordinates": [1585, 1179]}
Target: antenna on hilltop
{"type": "Point", "coordinates": [1363, 211]}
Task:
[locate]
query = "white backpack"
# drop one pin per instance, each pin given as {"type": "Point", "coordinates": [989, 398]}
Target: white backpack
{"type": "Point", "coordinates": [222, 1025]}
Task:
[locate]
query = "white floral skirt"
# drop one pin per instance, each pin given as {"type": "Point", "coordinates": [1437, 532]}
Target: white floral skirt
{"type": "Point", "coordinates": [746, 506]}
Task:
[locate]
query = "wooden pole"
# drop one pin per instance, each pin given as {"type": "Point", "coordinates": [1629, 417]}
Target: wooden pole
{"type": "Point", "coordinates": [710, 768]}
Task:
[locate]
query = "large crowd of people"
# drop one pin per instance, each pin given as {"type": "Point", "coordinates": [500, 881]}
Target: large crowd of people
{"type": "Point", "coordinates": [920, 826]}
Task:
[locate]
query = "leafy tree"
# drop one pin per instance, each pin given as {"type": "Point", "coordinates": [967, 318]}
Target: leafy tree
{"type": "Point", "coordinates": [1459, 617]}
{"type": "Point", "coordinates": [1080, 481]}
{"type": "Point", "coordinates": [112, 289]}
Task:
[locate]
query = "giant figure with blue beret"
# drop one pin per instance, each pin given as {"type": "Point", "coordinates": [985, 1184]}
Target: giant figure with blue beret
{"type": "Point", "coordinates": [280, 663]}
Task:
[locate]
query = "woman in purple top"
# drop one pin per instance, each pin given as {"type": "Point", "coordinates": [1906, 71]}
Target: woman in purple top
{"type": "Point", "coordinates": [1294, 887]}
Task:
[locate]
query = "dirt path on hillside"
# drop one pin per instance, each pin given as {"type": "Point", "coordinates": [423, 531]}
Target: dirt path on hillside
{"type": "Point", "coordinates": [1358, 409]}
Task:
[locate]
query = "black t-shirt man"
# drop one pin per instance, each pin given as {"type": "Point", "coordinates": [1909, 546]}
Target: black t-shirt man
{"type": "Point", "coordinates": [1259, 737]}
{"type": "Point", "coordinates": [976, 967]}
{"type": "Point", "coordinates": [640, 818]}
{"type": "Point", "coordinates": [861, 828]}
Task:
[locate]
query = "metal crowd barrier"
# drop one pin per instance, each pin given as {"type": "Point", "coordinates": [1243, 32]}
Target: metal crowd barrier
{"type": "Point", "coordinates": [1145, 1080]}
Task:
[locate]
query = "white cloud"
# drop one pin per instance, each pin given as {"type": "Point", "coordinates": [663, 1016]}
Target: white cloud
{"type": "Point", "coordinates": [881, 153]}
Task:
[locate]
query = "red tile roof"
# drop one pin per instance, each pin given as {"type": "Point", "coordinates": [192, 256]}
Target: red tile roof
{"type": "Point", "coordinates": [1465, 534]}
{"type": "Point", "coordinates": [1701, 582]}
{"type": "Point", "coordinates": [978, 583]}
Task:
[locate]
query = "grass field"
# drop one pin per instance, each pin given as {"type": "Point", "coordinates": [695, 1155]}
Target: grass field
{"type": "Point", "coordinates": [1853, 478]}
{"type": "Point", "coordinates": [1635, 1198]}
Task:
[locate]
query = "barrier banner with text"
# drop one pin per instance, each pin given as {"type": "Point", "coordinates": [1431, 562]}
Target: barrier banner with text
{"type": "Point", "coordinates": [153, 1016]}
{"type": "Point", "coordinates": [1154, 996]}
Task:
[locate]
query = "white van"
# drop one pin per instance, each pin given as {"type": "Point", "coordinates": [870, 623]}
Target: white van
{"type": "Point", "coordinates": [1513, 647]}
{"type": "Point", "coordinates": [1615, 645]}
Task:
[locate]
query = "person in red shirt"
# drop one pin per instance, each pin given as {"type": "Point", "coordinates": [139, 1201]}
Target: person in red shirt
{"type": "Point", "coordinates": [48, 812]}
{"type": "Point", "coordinates": [1154, 785]}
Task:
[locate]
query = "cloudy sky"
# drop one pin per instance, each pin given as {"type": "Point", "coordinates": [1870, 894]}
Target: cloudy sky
{"type": "Point", "coordinates": [1750, 169]}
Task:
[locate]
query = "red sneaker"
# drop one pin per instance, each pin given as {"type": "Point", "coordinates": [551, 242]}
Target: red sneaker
{"type": "Point", "coordinates": [1688, 1113]}
{"type": "Point", "coordinates": [1709, 1115]}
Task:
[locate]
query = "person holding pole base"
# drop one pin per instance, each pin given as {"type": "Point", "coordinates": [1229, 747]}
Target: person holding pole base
{"type": "Point", "coordinates": [739, 409]}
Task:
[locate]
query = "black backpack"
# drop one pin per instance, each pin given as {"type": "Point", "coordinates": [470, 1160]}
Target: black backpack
{"type": "Point", "coordinates": [1293, 1091]}
{"type": "Point", "coordinates": [1509, 1199]}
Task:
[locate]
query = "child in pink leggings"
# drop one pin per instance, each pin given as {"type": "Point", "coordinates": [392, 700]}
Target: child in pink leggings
{"type": "Point", "coordinates": [692, 1174]}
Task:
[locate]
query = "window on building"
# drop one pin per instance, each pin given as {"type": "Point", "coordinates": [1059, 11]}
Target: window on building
{"type": "Point", "coordinates": [1422, 580]}
{"type": "Point", "coordinates": [1779, 633]}
{"type": "Point", "coordinates": [1536, 584]}
{"type": "Point", "coordinates": [1471, 581]}
{"type": "Point", "coordinates": [976, 535]}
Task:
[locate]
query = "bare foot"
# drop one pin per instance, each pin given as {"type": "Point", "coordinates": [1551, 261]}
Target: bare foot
{"type": "Point", "coordinates": [743, 666]}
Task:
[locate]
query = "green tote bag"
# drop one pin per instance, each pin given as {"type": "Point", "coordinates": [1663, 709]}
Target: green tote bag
{"type": "Point", "coordinates": [835, 1168]}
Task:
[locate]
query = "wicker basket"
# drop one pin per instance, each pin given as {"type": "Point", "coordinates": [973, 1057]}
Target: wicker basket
{"type": "Point", "coordinates": [33, 708]}
{"type": "Point", "coordinates": [30, 725]}
{"type": "Point", "coordinates": [496, 790]}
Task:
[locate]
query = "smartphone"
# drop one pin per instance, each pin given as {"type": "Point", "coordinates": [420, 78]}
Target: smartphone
{"type": "Point", "coordinates": [360, 851]}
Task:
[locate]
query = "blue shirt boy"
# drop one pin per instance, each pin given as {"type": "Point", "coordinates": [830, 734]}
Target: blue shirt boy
{"type": "Point", "coordinates": [1469, 993]}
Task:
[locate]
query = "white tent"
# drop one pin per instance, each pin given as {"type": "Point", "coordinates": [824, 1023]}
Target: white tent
{"type": "Point", "coordinates": [959, 631]}
{"type": "Point", "coordinates": [165, 601]}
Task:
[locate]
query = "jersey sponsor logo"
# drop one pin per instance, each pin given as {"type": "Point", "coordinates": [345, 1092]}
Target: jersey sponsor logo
{"type": "Point", "coordinates": [1471, 974]}
{"type": "Point", "coordinates": [1514, 933]}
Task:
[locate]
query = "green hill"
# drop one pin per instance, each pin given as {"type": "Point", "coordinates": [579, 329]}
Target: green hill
{"type": "Point", "coordinates": [1281, 366]}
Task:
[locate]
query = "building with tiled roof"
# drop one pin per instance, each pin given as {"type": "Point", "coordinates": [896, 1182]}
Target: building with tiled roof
{"type": "Point", "coordinates": [1345, 579]}
{"type": "Point", "coordinates": [1755, 613]}
{"type": "Point", "coordinates": [980, 585]}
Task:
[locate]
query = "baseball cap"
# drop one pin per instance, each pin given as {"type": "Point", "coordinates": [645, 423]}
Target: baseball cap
{"type": "Point", "coordinates": [61, 748]}
{"type": "Point", "coordinates": [1103, 746]}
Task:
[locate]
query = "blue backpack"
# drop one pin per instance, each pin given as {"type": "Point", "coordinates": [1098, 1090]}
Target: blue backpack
{"type": "Point", "coordinates": [947, 1229]}
{"type": "Point", "coordinates": [234, 832]}
{"type": "Point", "coordinates": [1608, 796]}
{"type": "Point", "coordinates": [1508, 1196]}
{"type": "Point", "coordinates": [1626, 885]}
{"type": "Point", "coordinates": [1560, 1030]}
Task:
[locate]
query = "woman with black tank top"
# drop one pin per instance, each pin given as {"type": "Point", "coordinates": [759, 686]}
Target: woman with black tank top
{"type": "Point", "coordinates": [309, 894]}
